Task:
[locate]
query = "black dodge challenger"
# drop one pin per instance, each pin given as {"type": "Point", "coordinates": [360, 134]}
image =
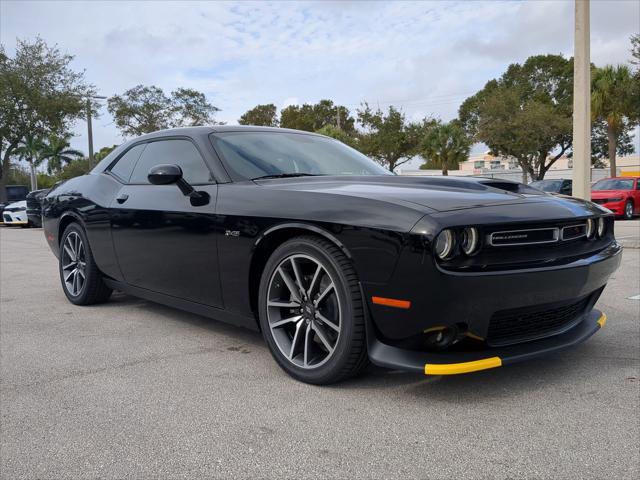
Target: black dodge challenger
{"type": "Point", "coordinates": [336, 261]}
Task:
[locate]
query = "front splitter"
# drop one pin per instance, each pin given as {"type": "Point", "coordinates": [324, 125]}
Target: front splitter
{"type": "Point", "coordinates": [453, 363]}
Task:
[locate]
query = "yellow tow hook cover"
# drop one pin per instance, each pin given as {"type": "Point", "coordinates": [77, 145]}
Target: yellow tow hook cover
{"type": "Point", "coordinates": [465, 367]}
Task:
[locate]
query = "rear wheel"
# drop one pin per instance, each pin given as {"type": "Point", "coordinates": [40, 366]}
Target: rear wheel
{"type": "Point", "coordinates": [81, 280]}
{"type": "Point", "coordinates": [628, 210]}
{"type": "Point", "coordinates": [311, 311]}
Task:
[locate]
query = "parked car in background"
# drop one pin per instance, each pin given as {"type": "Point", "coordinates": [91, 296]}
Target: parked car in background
{"type": "Point", "coordinates": [15, 193]}
{"type": "Point", "coordinates": [16, 214]}
{"type": "Point", "coordinates": [333, 258]}
{"type": "Point", "coordinates": [621, 195]}
{"type": "Point", "coordinates": [34, 207]}
{"type": "Point", "coordinates": [560, 186]}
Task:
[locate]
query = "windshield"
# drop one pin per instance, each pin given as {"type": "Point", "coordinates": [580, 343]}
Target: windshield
{"type": "Point", "coordinates": [613, 184]}
{"type": "Point", "coordinates": [15, 193]}
{"type": "Point", "coordinates": [547, 185]}
{"type": "Point", "coordinates": [258, 154]}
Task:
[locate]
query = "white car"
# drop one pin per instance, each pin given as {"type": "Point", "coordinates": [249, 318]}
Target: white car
{"type": "Point", "coordinates": [15, 214]}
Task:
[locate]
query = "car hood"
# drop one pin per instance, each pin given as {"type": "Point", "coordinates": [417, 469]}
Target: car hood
{"type": "Point", "coordinates": [435, 193]}
{"type": "Point", "coordinates": [20, 204]}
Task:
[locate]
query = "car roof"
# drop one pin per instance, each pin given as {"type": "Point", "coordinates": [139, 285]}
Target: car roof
{"type": "Point", "coordinates": [189, 131]}
{"type": "Point", "coordinates": [621, 178]}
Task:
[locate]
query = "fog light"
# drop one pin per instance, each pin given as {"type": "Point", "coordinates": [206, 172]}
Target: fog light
{"type": "Point", "coordinates": [469, 242]}
{"type": "Point", "coordinates": [444, 244]}
{"type": "Point", "coordinates": [601, 227]}
{"type": "Point", "coordinates": [591, 228]}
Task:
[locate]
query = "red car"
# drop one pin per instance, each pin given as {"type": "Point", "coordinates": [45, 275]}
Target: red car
{"type": "Point", "coordinates": [621, 195]}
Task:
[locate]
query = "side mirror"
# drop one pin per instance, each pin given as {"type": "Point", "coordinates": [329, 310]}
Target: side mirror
{"type": "Point", "coordinates": [164, 174]}
{"type": "Point", "coordinates": [172, 174]}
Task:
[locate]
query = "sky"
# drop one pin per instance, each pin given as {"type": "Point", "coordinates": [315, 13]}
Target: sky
{"type": "Point", "coordinates": [425, 57]}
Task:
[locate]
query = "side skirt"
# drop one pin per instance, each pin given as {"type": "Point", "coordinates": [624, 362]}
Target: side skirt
{"type": "Point", "coordinates": [181, 304]}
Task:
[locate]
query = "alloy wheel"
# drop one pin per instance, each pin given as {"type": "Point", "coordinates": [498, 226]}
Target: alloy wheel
{"type": "Point", "coordinates": [74, 264]}
{"type": "Point", "coordinates": [303, 311]}
{"type": "Point", "coordinates": [629, 210]}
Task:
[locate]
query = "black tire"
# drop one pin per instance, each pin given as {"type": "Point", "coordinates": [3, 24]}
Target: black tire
{"type": "Point", "coordinates": [349, 356]}
{"type": "Point", "coordinates": [93, 289]}
{"type": "Point", "coordinates": [628, 210]}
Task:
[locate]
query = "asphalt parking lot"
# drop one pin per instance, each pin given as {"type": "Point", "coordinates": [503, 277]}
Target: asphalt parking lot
{"type": "Point", "coordinates": [135, 389]}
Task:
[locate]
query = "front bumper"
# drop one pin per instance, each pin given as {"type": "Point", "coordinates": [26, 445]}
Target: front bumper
{"type": "Point", "coordinates": [446, 299]}
{"type": "Point", "coordinates": [616, 207]}
{"type": "Point", "coordinates": [451, 363]}
{"type": "Point", "coordinates": [15, 218]}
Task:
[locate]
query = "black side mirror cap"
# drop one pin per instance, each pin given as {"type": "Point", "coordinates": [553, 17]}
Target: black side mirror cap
{"type": "Point", "coordinates": [164, 174]}
{"type": "Point", "coordinates": [172, 174]}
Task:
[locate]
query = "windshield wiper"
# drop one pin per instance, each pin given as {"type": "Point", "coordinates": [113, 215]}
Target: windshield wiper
{"type": "Point", "coordinates": [287, 175]}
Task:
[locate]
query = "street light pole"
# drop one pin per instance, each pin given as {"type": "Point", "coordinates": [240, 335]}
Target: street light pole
{"type": "Point", "coordinates": [582, 103]}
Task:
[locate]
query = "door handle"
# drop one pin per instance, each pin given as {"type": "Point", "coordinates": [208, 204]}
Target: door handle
{"type": "Point", "coordinates": [122, 198]}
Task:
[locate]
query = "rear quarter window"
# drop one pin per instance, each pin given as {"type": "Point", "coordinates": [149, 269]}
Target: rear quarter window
{"type": "Point", "coordinates": [126, 163]}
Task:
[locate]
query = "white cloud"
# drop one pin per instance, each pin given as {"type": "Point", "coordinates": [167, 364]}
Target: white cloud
{"type": "Point", "coordinates": [423, 56]}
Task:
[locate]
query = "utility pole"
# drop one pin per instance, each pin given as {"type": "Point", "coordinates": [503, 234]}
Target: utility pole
{"type": "Point", "coordinates": [90, 133]}
{"type": "Point", "coordinates": [90, 127]}
{"type": "Point", "coordinates": [581, 103]}
{"type": "Point", "coordinates": [338, 117]}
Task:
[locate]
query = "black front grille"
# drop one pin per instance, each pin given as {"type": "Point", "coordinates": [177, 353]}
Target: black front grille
{"type": "Point", "coordinates": [524, 324]}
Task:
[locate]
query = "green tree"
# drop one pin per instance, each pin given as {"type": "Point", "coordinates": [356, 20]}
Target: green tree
{"type": "Point", "coordinates": [388, 138]}
{"type": "Point", "coordinates": [40, 95]}
{"type": "Point", "coordinates": [339, 134]}
{"type": "Point", "coordinates": [145, 109]}
{"type": "Point", "coordinates": [57, 152]}
{"type": "Point", "coordinates": [526, 113]}
{"type": "Point", "coordinates": [31, 150]}
{"type": "Point", "coordinates": [191, 108]}
{"type": "Point", "coordinates": [73, 169]}
{"type": "Point", "coordinates": [104, 151]}
{"type": "Point", "coordinates": [314, 117]}
{"type": "Point", "coordinates": [445, 146]}
{"type": "Point", "coordinates": [600, 142]}
{"type": "Point", "coordinates": [612, 102]}
{"type": "Point", "coordinates": [263, 115]}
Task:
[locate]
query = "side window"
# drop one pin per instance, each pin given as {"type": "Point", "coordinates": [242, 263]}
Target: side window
{"type": "Point", "coordinates": [179, 152]}
{"type": "Point", "coordinates": [124, 166]}
{"type": "Point", "coordinates": [638, 184]}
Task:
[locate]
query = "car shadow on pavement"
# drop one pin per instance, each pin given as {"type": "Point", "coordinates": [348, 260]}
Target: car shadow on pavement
{"type": "Point", "coordinates": [486, 385]}
{"type": "Point", "coordinates": [164, 312]}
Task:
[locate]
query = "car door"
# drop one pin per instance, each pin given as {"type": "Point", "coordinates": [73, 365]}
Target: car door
{"type": "Point", "coordinates": [636, 197]}
{"type": "Point", "coordinates": [162, 241]}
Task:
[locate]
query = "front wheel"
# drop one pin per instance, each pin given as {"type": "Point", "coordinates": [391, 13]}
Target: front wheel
{"type": "Point", "coordinates": [311, 311]}
{"type": "Point", "coordinates": [628, 210]}
{"type": "Point", "coordinates": [81, 280]}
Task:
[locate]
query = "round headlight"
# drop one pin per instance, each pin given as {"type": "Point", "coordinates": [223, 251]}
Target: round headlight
{"type": "Point", "coordinates": [444, 244]}
{"type": "Point", "coordinates": [591, 228]}
{"type": "Point", "coordinates": [469, 241]}
{"type": "Point", "coordinates": [601, 227]}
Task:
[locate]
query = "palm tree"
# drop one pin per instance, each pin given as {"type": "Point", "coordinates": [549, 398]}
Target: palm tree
{"type": "Point", "coordinates": [612, 102]}
{"type": "Point", "coordinates": [57, 153]}
{"type": "Point", "coordinates": [445, 146]}
{"type": "Point", "coordinates": [31, 150]}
